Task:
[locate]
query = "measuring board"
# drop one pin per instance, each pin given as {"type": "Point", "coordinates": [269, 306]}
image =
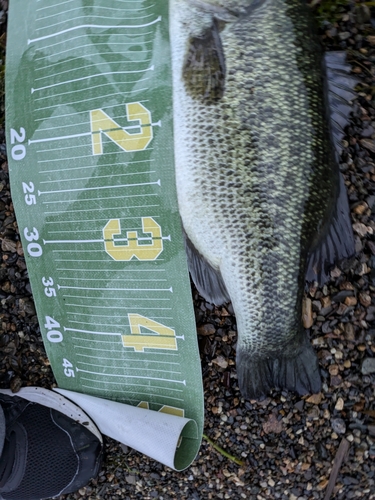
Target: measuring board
{"type": "Point", "coordinates": [90, 151]}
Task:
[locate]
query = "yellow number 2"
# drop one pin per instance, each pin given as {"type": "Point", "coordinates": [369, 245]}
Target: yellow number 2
{"type": "Point", "coordinates": [101, 123]}
{"type": "Point", "coordinates": [163, 337]}
{"type": "Point", "coordinates": [133, 248]}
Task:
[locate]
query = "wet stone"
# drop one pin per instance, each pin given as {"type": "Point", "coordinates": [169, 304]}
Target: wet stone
{"type": "Point", "coordinates": [326, 327]}
{"type": "Point", "coordinates": [307, 317]}
{"type": "Point", "coordinates": [339, 406]}
{"type": "Point", "coordinates": [299, 405]}
{"type": "Point", "coordinates": [15, 384]}
{"type": "Point", "coordinates": [365, 299]}
{"type": "Point", "coordinates": [131, 479]}
{"type": "Point", "coordinates": [338, 425]}
{"type": "Point", "coordinates": [273, 425]}
{"type": "Point", "coordinates": [316, 305]}
{"type": "Point", "coordinates": [345, 35]}
{"type": "Point", "coordinates": [350, 301]}
{"type": "Point", "coordinates": [26, 306]}
{"type": "Point", "coordinates": [336, 380]}
{"type": "Point", "coordinates": [363, 14]}
{"type": "Point", "coordinates": [207, 329]}
{"type": "Point", "coordinates": [368, 131]}
{"type": "Point", "coordinates": [326, 310]}
{"type": "Point", "coordinates": [360, 229]}
{"type": "Point", "coordinates": [368, 366]}
{"type": "Point", "coordinates": [315, 399]}
{"type": "Point", "coordinates": [368, 144]}
{"type": "Point", "coordinates": [370, 316]}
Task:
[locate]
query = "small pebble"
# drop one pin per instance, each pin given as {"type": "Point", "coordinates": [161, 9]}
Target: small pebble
{"type": "Point", "coordinates": [307, 317]}
{"type": "Point", "coordinates": [368, 144]}
{"type": "Point", "coordinates": [360, 229]}
{"type": "Point", "coordinates": [365, 299]}
{"type": "Point", "coordinates": [220, 361]}
{"type": "Point", "coordinates": [368, 366]}
{"type": "Point", "coordinates": [360, 208]}
{"type": "Point", "coordinates": [338, 425]}
{"type": "Point", "coordinates": [350, 301]}
{"type": "Point", "coordinates": [333, 369]}
{"type": "Point", "coordinates": [315, 398]}
{"type": "Point", "coordinates": [344, 35]}
{"type": "Point", "coordinates": [207, 329]}
{"type": "Point", "coordinates": [339, 406]}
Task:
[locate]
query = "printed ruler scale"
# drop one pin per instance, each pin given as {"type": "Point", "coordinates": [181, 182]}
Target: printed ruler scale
{"type": "Point", "coordinates": [90, 150]}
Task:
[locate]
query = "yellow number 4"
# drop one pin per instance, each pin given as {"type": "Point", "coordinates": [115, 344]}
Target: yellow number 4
{"type": "Point", "coordinates": [101, 123]}
{"type": "Point", "coordinates": [163, 337]}
{"type": "Point", "coordinates": [133, 248]}
{"type": "Point", "coordinates": [171, 410]}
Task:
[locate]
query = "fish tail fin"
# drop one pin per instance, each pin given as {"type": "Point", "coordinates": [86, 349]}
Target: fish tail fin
{"type": "Point", "coordinates": [296, 370]}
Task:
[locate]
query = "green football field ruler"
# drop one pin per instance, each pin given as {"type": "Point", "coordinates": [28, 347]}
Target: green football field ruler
{"type": "Point", "coordinates": [90, 151]}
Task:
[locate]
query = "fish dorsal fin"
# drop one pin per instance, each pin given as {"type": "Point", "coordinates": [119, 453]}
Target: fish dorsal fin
{"type": "Point", "coordinates": [340, 91]}
{"type": "Point", "coordinates": [336, 241]}
{"type": "Point", "coordinates": [207, 280]}
{"type": "Point", "coordinates": [204, 65]}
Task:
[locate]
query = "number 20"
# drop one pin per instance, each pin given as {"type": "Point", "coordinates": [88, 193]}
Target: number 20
{"type": "Point", "coordinates": [18, 151]}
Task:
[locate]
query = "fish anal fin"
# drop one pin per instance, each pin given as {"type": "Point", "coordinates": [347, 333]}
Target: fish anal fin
{"type": "Point", "coordinates": [296, 371]}
{"type": "Point", "coordinates": [207, 280]}
{"type": "Point", "coordinates": [335, 242]}
{"type": "Point", "coordinates": [204, 65]}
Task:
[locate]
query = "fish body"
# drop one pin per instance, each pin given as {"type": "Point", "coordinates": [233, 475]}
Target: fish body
{"type": "Point", "coordinates": [257, 180]}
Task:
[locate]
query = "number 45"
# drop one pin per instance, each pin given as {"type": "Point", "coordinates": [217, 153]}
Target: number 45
{"type": "Point", "coordinates": [68, 368]}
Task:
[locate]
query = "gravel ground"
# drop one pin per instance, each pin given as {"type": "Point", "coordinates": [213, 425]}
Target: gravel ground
{"type": "Point", "coordinates": [290, 446]}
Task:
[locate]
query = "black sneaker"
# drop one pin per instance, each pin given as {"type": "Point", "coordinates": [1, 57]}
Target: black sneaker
{"type": "Point", "coordinates": [47, 448]}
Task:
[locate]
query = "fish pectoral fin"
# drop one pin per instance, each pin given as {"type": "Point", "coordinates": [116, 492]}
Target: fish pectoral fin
{"type": "Point", "coordinates": [204, 66]}
{"type": "Point", "coordinates": [297, 371]}
{"type": "Point", "coordinates": [207, 280]}
{"type": "Point", "coordinates": [340, 87]}
{"type": "Point", "coordinates": [335, 242]}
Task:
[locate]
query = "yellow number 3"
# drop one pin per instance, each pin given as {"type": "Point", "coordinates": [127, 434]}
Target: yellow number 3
{"type": "Point", "coordinates": [133, 248]}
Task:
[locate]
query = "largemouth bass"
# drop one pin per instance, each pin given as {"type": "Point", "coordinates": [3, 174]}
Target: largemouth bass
{"type": "Point", "coordinates": [262, 201]}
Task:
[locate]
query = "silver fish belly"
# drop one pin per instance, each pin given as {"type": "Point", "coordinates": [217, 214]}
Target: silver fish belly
{"type": "Point", "coordinates": [256, 175]}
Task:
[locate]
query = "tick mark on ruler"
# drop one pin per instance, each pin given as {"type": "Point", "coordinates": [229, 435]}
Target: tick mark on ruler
{"type": "Point", "coordinates": [135, 368]}
{"type": "Point", "coordinates": [151, 68]}
{"type": "Point", "coordinates": [117, 289]}
{"type": "Point", "coordinates": [117, 240]}
{"type": "Point", "coordinates": [100, 26]}
{"type": "Point", "coordinates": [86, 134]}
{"type": "Point", "coordinates": [106, 9]}
{"type": "Point", "coordinates": [89, 331]}
{"type": "Point", "coordinates": [100, 187]}
{"type": "Point", "coordinates": [183, 382]}
{"type": "Point", "coordinates": [72, 241]}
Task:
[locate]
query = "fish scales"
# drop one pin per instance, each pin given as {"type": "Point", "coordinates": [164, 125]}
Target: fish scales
{"type": "Point", "coordinates": [254, 167]}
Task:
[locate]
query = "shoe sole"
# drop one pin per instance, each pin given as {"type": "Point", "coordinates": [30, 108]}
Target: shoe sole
{"type": "Point", "coordinates": [53, 400]}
